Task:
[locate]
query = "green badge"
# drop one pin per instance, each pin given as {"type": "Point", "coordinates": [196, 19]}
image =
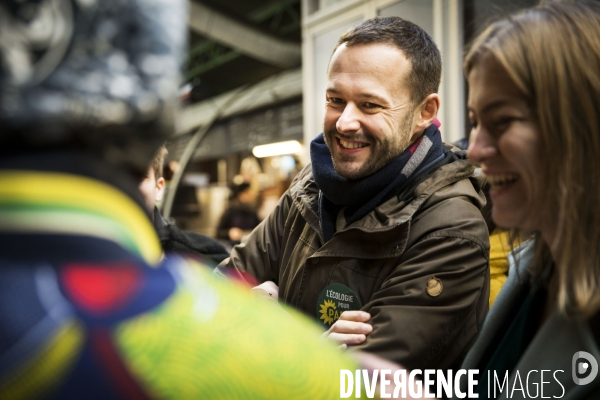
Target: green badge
{"type": "Point", "coordinates": [333, 301]}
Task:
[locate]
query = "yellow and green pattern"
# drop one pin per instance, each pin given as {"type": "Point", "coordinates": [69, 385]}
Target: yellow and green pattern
{"type": "Point", "coordinates": [238, 346]}
{"type": "Point", "coordinates": [71, 204]}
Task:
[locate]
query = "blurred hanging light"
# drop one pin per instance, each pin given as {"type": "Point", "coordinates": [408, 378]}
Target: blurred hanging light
{"type": "Point", "coordinates": [277, 149]}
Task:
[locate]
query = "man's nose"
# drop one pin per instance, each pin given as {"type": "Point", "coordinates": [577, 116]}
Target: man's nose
{"type": "Point", "coordinates": [349, 121]}
{"type": "Point", "coordinates": [481, 146]}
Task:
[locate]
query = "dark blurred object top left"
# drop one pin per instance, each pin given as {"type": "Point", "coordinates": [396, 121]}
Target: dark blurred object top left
{"type": "Point", "coordinates": [95, 74]}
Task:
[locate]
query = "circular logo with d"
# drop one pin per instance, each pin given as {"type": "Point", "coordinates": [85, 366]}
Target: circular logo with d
{"type": "Point", "coordinates": [584, 368]}
{"type": "Point", "coordinates": [334, 300]}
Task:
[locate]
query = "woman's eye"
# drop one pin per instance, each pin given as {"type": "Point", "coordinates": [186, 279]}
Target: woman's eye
{"type": "Point", "coordinates": [504, 121]}
{"type": "Point", "coordinates": [335, 100]}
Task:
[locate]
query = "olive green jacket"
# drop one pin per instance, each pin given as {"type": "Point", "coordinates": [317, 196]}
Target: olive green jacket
{"type": "Point", "coordinates": [433, 235]}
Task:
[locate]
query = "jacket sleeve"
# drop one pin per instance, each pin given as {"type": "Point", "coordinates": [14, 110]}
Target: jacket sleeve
{"type": "Point", "coordinates": [259, 255]}
{"type": "Point", "coordinates": [433, 327]}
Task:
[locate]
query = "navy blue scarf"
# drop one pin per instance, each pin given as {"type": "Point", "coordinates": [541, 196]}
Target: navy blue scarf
{"type": "Point", "coordinates": [360, 196]}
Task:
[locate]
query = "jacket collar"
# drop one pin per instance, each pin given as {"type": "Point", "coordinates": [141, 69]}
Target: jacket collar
{"type": "Point", "coordinates": [157, 220]}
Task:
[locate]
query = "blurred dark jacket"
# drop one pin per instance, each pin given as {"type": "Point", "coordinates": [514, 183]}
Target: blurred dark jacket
{"type": "Point", "coordinates": [175, 240]}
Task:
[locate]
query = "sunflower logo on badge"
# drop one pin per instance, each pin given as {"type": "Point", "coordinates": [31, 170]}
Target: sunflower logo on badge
{"type": "Point", "coordinates": [333, 301]}
{"type": "Point", "coordinates": [328, 312]}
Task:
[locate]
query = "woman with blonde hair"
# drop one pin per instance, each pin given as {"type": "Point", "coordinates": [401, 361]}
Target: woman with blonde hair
{"type": "Point", "coordinates": [534, 103]}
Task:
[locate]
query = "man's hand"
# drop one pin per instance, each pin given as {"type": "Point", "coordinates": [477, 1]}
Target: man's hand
{"type": "Point", "coordinates": [351, 328]}
{"type": "Point", "coordinates": [267, 289]}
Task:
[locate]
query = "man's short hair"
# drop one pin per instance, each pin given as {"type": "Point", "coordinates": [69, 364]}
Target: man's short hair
{"type": "Point", "coordinates": [158, 162]}
{"type": "Point", "coordinates": [418, 47]}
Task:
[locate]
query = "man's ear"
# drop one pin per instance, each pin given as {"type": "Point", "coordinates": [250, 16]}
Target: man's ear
{"type": "Point", "coordinates": [160, 189]}
{"type": "Point", "coordinates": [426, 113]}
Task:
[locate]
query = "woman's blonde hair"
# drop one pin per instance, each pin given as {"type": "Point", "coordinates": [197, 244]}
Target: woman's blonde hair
{"type": "Point", "coordinates": [552, 53]}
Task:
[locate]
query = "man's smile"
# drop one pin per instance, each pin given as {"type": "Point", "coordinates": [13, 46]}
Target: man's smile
{"type": "Point", "coordinates": [345, 144]}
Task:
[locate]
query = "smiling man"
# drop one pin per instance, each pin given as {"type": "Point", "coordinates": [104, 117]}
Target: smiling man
{"type": "Point", "coordinates": [385, 223]}
{"type": "Point", "coordinates": [368, 117]}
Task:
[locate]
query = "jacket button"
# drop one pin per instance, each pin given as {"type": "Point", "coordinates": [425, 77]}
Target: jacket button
{"type": "Point", "coordinates": [314, 260]}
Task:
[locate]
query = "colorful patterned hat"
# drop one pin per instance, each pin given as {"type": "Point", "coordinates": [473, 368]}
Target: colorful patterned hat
{"type": "Point", "coordinates": [95, 74]}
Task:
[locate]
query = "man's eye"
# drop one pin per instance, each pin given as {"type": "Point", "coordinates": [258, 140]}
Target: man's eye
{"type": "Point", "coordinates": [335, 100]}
{"type": "Point", "coordinates": [371, 105]}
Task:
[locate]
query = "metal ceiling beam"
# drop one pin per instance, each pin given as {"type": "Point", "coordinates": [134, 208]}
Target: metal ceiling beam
{"type": "Point", "coordinates": [251, 42]}
{"type": "Point", "coordinates": [276, 12]}
{"type": "Point", "coordinates": [276, 88]}
{"type": "Point", "coordinates": [207, 56]}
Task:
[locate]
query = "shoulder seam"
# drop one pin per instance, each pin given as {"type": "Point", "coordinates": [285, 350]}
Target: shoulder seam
{"type": "Point", "coordinates": [459, 235]}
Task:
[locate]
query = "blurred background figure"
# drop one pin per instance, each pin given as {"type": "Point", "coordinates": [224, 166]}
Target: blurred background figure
{"type": "Point", "coordinates": [153, 184]}
{"type": "Point", "coordinates": [240, 217]}
{"type": "Point", "coordinates": [173, 239]}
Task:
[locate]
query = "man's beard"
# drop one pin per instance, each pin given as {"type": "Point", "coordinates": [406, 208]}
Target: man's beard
{"type": "Point", "coordinates": [382, 152]}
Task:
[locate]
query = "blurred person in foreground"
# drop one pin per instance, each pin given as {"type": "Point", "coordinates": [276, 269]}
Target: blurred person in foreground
{"type": "Point", "coordinates": [534, 102]}
{"type": "Point", "coordinates": [173, 239]}
{"type": "Point", "coordinates": [87, 310]}
{"type": "Point", "coordinates": [380, 238]}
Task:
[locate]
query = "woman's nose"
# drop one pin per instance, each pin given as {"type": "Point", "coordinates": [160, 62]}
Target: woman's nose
{"type": "Point", "coordinates": [481, 146]}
